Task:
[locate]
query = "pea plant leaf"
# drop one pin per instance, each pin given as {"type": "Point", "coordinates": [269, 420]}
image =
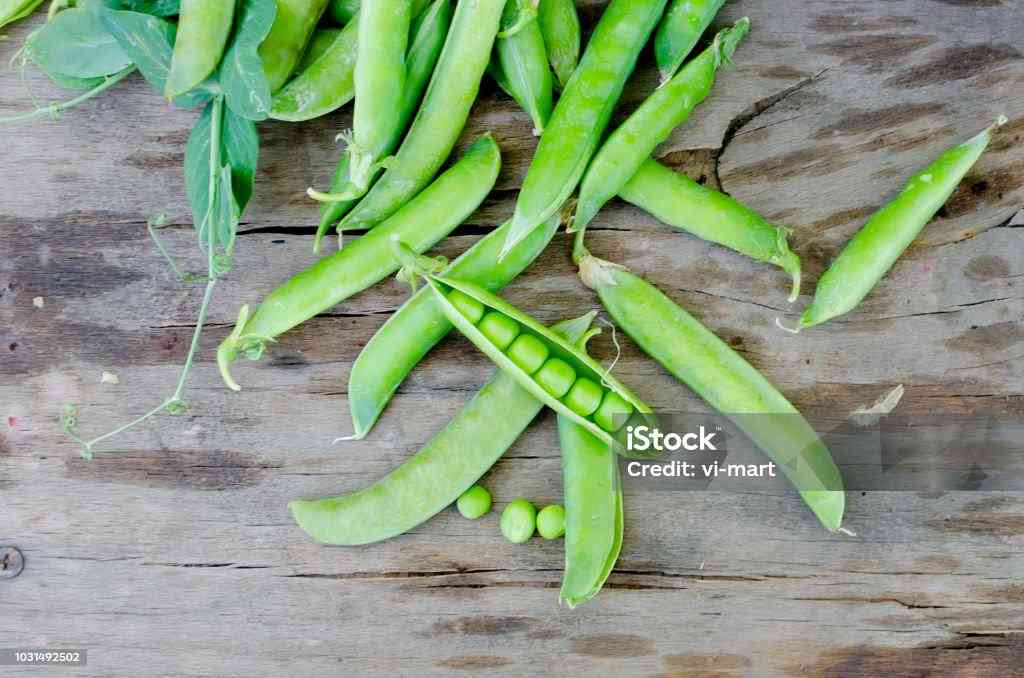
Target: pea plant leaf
{"type": "Point", "coordinates": [241, 75]}
{"type": "Point", "coordinates": [239, 153]}
{"type": "Point", "coordinates": [75, 43]}
{"type": "Point", "coordinates": [163, 8]}
{"type": "Point", "coordinates": [149, 42]}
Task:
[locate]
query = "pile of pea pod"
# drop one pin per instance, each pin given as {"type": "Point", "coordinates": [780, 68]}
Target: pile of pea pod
{"type": "Point", "coordinates": [413, 69]}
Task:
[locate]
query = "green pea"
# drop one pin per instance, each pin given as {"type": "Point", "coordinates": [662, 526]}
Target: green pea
{"type": "Point", "coordinates": [474, 502]}
{"type": "Point", "coordinates": [613, 412]}
{"type": "Point", "coordinates": [499, 328]}
{"type": "Point", "coordinates": [584, 397]}
{"type": "Point", "coordinates": [551, 521]}
{"type": "Point", "coordinates": [556, 377]}
{"type": "Point", "coordinates": [518, 521]}
{"type": "Point", "coordinates": [472, 309]}
{"type": "Point", "coordinates": [528, 353]}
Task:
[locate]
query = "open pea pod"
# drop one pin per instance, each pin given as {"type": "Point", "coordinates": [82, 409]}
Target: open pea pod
{"type": "Point", "coordinates": [554, 370]}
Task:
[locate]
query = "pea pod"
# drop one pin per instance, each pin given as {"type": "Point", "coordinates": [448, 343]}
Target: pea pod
{"type": "Point", "coordinates": [872, 252]}
{"type": "Point", "coordinates": [429, 31]}
{"type": "Point", "coordinates": [423, 222]}
{"type": "Point", "coordinates": [449, 464]}
{"type": "Point", "coordinates": [319, 43]}
{"type": "Point", "coordinates": [13, 10]}
{"type": "Point", "coordinates": [593, 512]}
{"type": "Point", "coordinates": [680, 29]}
{"type": "Point", "coordinates": [713, 370]}
{"type": "Point", "coordinates": [379, 81]}
{"type": "Point", "coordinates": [679, 201]}
{"type": "Point", "coordinates": [560, 28]}
{"type": "Point", "coordinates": [342, 11]}
{"type": "Point", "coordinates": [583, 112]}
{"type": "Point", "coordinates": [282, 49]}
{"type": "Point", "coordinates": [556, 372]}
{"type": "Point", "coordinates": [525, 73]}
{"type": "Point", "coordinates": [324, 85]}
{"type": "Point", "coordinates": [633, 142]}
{"type": "Point", "coordinates": [203, 30]}
{"type": "Point", "coordinates": [402, 342]}
{"type": "Point", "coordinates": [441, 117]}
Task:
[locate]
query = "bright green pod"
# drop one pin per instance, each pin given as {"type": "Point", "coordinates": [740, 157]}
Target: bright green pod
{"type": "Point", "coordinates": [680, 29]}
{"type": "Point", "coordinates": [422, 222]}
{"type": "Point", "coordinates": [528, 353]}
{"type": "Point", "coordinates": [593, 512]}
{"type": "Point", "coordinates": [342, 11]}
{"type": "Point", "coordinates": [584, 397]}
{"type": "Point", "coordinates": [324, 85]}
{"type": "Point", "coordinates": [319, 43]}
{"type": "Point", "coordinates": [428, 35]}
{"type": "Point", "coordinates": [556, 377]}
{"type": "Point", "coordinates": [632, 143]}
{"type": "Point", "coordinates": [203, 30]}
{"type": "Point", "coordinates": [556, 346]}
{"type": "Point", "coordinates": [680, 202]}
{"type": "Point", "coordinates": [879, 243]}
{"type": "Point", "coordinates": [582, 113]}
{"type": "Point", "coordinates": [13, 10]}
{"type": "Point", "coordinates": [718, 374]}
{"type": "Point", "coordinates": [449, 464]}
{"type": "Point", "coordinates": [283, 47]}
{"type": "Point", "coordinates": [560, 28]}
{"type": "Point", "coordinates": [524, 71]}
{"type": "Point", "coordinates": [500, 329]}
{"type": "Point", "coordinates": [420, 324]}
{"type": "Point", "coordinates": [441, 117]}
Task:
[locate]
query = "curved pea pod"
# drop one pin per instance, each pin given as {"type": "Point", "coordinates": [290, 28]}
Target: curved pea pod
{"type": "Point", "coordinates": [543, 363]}
{"type": "Point", "coordinates": [560, 28]}
{"type": "Point", "coordinates": [681, 202]}
{"type": "Point", "coordinates": [14, 10]}
{"type": "Point", "coordinates": [879, 243]}
{"type": "Point", "coordinates": [319, 43]}
{"type": "Point", "coordinates": [428, 36]}
{"type": "Point", "coordinates": [424, 221]}
{"type": "Point", "coordinates": [441, 117]}
{"type": "Point", "coordinates": [283, 47]}
{"type": "Point", "coordinates": [203, 30]}
{"type": "Point", "coordinates": [593, 512]}
{"type": "Point", "coordinates": [449, 464]}
{"type": "Point", "coordinates": [525, 73]}
{"type": "Point", "coordinates": [408, 335]}
{"type": "Point", "coordinates": [325, 85]}
{"type": "Point", "coordinates": [632, 143]}
{"type": "Point", "coordinates": [582, 113]}
{"type": "Point", "coordinates": [342, 11]}
{"type": "Point", "coordinates": [719, 375]}
{"type": "Point", "coordinates": [680, 29]}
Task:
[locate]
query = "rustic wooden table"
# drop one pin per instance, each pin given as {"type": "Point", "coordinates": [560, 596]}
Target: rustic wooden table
{"type": "Point", "coordinates": [172, 552]}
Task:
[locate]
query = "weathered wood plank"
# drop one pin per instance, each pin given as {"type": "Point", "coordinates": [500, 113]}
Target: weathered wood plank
{"type": "Point", "coordinates": [173, 553]}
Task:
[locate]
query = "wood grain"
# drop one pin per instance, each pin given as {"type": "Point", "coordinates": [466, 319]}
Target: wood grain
{"type": "Point", "coordinates": [172, 552]}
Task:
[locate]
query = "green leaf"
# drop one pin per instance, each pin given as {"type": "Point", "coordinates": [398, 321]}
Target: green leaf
{"type": "Point", "coordinates": [239, 150]}
{"type": "Point", "coordinates": [225, 211]}
{"type": "Point", "coordinates": [241, 76]}
{"type": "Point", "coordinates": [75, 43]}
{"type": "Point", "coordinates": [149, 42]}
{"type": "Point", "coordinates": [162, 8]}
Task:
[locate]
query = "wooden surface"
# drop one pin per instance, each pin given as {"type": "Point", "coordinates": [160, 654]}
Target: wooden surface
{"type": "Point", "coordinates": [172, 553]}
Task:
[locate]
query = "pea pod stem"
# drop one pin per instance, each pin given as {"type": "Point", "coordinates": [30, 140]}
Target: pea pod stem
{"type": "Point", "coordinates": [626, 149]}
{"type": "Point", "coordinates": [57, 108]}
{"type": "Point", "coordinates": [873, 251]}
{"type": "Point", "coordinates": [450, 463]}
{"type": "Point", "coordinates": [713, 370]}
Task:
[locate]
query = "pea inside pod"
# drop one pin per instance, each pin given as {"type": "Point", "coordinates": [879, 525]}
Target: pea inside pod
{"type": "Point", "coordinates": [542, 362]}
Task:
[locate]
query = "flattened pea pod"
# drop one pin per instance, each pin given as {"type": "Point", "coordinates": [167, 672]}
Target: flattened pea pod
{"type": "Point", "coordinates": [879, 243]}
{"type": "Point", "coordinates": [203, 30]}
{"type": "Point", "coordinates": [450, 463]}
{"type": "Point", "coordinates": [681, 202]}
{"type": "Point", "coordinates": [324, 85]}
{"type": "Point", "coordinates": [525, 72]}
{"type": "Point", "coordinates": [441, 117]}
{"type": "Point", "coordinates": [680, 29]}
{"type": "Point", "coordinates": [583, 112]}
{"type": "Point", "coordinates": [408, 335]}
{"type": "Point", "coordinates": [633, 142]}
{"type": "Point", "coordinates": [593, 512]}
{"type": "Point", "coordinates": [283, 47]}
{"type": "Point", "coordinates": [714, 371]}
{"type": "Point", "coordinates": [424, 221]}
{"type": "Point", "coordinates": [319, 43]}
{"type": "Point", "coordinates": [540, 361]}
{"type": "Point", "coordinates": [560, 28]}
